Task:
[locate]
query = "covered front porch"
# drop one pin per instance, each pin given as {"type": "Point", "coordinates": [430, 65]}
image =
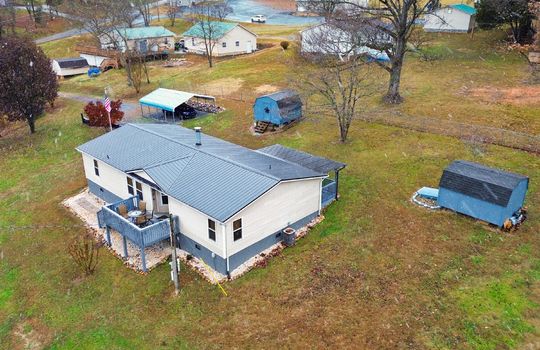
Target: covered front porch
{"type": "Point", "coordinates": [155, 229]}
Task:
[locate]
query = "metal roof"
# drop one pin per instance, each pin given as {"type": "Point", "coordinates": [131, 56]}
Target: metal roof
{"type": "Point", "coordinates": [75, 62]}
{"type": "Point", "coordinates": [166, 99]}
{"type": "Point", "coordinates": [217, 29]}
{"type": "Point", "coordinates": [217, 178]}
{"type": "Point", "coordinates": [464, 8]}
{"type": "Point", "coordinates": [145, 32]}
{"type": "Point", "coordinates": [318, 164]}
{"type": "Point", "coordinates": [481, 182]}
{"type": "Point", "coordinates": [281, 95]}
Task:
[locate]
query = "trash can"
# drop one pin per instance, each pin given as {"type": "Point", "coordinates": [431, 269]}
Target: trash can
{"type": "Point", "coordinates": [289, 236]}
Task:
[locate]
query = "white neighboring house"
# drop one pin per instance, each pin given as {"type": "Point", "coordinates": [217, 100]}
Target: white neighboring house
{"type": "Point", "coordinates": [231, 202]}
{"type": "Point", "coordinates": [229, 38]}
{"type": "Point", "coordinates": [458, 18]}
{"type": "Point", "coordinates": [70, 66]}
{"type": "Point", "coordinates": [330, 39]}
{"type": "Point", "coordinates": [152, 39]}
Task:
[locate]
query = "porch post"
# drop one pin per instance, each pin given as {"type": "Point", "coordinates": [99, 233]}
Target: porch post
{"type": "Point", "coordinates": [125, 247]}
{"type": "Point", "coordinates": [108, 232]}
{"type": "Point", "coordinates": [141, 246]}
{"type": "Point", "coordinates": [337, 184]}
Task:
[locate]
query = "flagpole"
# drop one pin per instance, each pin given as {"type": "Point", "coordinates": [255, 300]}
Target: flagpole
{"type": "Point", "coordinates": [108, 110]}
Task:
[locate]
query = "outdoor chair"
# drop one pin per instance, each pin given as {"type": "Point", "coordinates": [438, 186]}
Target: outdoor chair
{"type": "Point", "coordinates": [140, 220]}
{"type": "Point", "coordinates": [150, 215]}
{"type": "Point", "coordinates": [122, 210]}
{"type": "Point", "coordinates": [142, 206]}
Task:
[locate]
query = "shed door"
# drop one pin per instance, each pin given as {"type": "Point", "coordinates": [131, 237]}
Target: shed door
{"type": "Point", "coordinates": [143, 46]}
{"type": "Point", "coordinates": [249, 48]}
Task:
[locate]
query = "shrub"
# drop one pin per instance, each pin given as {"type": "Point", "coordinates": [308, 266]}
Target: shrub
{"type": "Point", "coordinates": [98, 116]}
{"type": "Point", "coordinates": [285, 44]}
{"type": "Point", "coordinates": [85, 252]}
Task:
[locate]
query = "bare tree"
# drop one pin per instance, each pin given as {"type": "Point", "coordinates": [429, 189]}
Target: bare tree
{"type": "Point", "coordinates": [7, 18]}
{"type": "Point", "coordinates": [174, 8]}
{"type": "Point", "coordinates": [143, 6]}
{"type": "Point", "coordinates": [85, 252]}
{"type": "Point", "coordinates": [396, 18]}
{"type": "Point", "coordinates": [208, 18]}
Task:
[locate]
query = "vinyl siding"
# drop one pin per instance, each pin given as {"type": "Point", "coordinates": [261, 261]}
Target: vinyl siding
{"type": "Point", "coordinates": [283, 205]}
{"type": "Point", "coordinates": [236, 34]}
{"type": "Point", "coordinates": [442, 21]}
{"type": "Point", "coordinates": [111, 179]}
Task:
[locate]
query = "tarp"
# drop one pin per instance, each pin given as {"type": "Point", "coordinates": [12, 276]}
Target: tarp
{"type": "Point", "coordinates": [166, 99]}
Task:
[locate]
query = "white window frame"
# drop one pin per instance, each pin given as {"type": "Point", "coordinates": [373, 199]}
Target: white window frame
{"type": "Point", "coordinates": [213, 230]}
{"type": "Point", "coordinates": [139, 192]}
{"type": "Point", "coordinates": [96, 167]}
{"type": "Point", "coordinates": [161, 199]}
{"type": "Point", "coordinates": [237, 230]}
{"type": "Point", "coordinates": [237, 43]}
{"type": "Point", "coordinates": [130, 186]}
{"type": "Point", "coordinates": [224, 44]}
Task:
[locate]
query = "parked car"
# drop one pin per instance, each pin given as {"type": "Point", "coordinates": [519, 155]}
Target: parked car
{"type": "Point", "coordinates": [185, 111]}
{"type": "Point", "coordinates": [258, 19]}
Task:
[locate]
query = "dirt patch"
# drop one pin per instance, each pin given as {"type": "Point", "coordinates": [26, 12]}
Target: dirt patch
{"type": "Point", "coordinates": [31, 334]}
{"type": "Point", "coordinates": [518, 96]}
{"type": "Point", "coordinates": [222, 87]}
{"type": "Point", "coordinates": [266, 89]}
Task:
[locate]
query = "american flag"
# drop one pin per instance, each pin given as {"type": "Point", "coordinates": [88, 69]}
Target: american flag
{"type": "Point", "coordinates": [107, 104]}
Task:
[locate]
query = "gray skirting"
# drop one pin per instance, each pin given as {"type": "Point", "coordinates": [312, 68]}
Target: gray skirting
{"type": "Point", "coordinates": [102, 193]}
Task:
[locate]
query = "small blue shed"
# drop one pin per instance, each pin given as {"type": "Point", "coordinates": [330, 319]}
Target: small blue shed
{"type": "Point", "coordinates": [484, 193]}
{"type": "Point", "coordinates": [279, 108]}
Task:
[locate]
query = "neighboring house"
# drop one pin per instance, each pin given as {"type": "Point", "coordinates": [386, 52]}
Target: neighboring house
{"type": "Point", "coordinates": [154, 39]}
{"type": "Point", "coordinates": [459, 18]}
{"type": "Point", "coordinates": [484, 193]}
{"type": "Point", "coordinates": [279, 108]}
{"type": "Point", "coordinates": [228, 38]}
{"type": "Point", "coordinates": [70, 66]}
{"type": "Point", "coordinates": [232, 202]}
{"type": "Point", "coordinates": [341, 39]}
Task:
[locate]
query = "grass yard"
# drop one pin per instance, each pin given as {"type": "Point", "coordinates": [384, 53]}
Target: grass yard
{"type": "Point", "coordinates": [378, 272]}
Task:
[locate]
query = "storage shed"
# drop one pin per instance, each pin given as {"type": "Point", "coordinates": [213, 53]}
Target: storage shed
{"type": "Point", "coordinates": [279, 108]}
{"type": "Point", "coordinates": [484, 193]}
{"type": "Point", "coordinates": [70, 66]}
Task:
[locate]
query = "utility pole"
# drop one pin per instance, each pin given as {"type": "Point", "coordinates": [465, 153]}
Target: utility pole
{"type": "Point", "coordinates": [175, 228]}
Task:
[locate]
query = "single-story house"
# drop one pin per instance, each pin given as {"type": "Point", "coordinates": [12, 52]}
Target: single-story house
{"type": "Point", "coordinates": [345, 39]}
{"type": "Point", "coordinates": [231, 202]}
{"type": "Point", "coordinates": [70, 66]}
{"type": "Point", "coordinates": [458, 18]}
{"type": "Point", "coordinates": [228, 38]}
{"type": "Point", "coordinates": [153, 39]}
{"type": "Point", "coordinates": [279, 108]}
{"type": "Point", "coordinates": [485, 193]}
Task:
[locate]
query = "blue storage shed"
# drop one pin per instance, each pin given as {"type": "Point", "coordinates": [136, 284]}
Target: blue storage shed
{"type": "Point", "coordinates": [279, 108]}
{"type": "Point", "coordinates": [484, 193]}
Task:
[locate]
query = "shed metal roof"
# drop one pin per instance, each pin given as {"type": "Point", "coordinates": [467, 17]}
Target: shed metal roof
{"type": "Point", "coordinates": [75, 62]}
{"type": "Point", "coordinates": [306, 160]}
{"type": "Point", "coordinates": [217, 178]}
{"type": "Point", "coordinates": [464, 8]}
{"type": "Point", "coordinates": [481, 182]}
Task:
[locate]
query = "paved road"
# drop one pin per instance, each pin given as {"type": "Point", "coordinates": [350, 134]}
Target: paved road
{"type": "Point", "coordinates": [243, 10]}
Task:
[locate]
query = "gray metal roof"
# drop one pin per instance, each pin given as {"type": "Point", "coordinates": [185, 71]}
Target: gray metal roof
{"type": "Point", "coordinates": [76, 62]}
{"type": "Point", "coordinates": [481, 182]}
{"type": "Point", "coordinates": [217, 178]}
{"type": "Point", "coordinates": [306, 160]}
{"type": "Point", "coordinates": [280, 95]}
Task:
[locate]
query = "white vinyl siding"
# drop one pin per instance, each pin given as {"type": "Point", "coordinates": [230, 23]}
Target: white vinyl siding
{"type": "Point", "coordinates": [239, 36]}
{"type": "Point", "coordinates": [283, 205]}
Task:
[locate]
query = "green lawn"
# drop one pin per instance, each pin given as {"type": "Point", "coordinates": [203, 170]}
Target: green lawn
{"type": "Point", "coordinates": [378, 272]}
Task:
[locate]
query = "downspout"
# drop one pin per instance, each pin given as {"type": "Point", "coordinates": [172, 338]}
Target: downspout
{"type": "Point", "coordinates": [223, 231]}
{"type": "Point", "coordinates": [320, 198]}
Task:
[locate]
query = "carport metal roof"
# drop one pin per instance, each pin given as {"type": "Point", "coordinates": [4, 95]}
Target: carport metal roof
{"type": "Point", "coordinates": [168, 99]}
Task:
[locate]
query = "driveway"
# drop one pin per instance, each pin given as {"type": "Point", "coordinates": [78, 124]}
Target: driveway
{"type": "Point", "coordinates": [132, 110]}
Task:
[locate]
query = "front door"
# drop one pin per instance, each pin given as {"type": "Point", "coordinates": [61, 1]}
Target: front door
{"type": "Point", "coordinates": [143, 46]}
{"type": "Point", "coordinates": [160, 202]}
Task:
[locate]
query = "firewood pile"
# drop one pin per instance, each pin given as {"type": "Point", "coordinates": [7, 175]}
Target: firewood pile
{"type": "Point", "coordinates": [206, 107]}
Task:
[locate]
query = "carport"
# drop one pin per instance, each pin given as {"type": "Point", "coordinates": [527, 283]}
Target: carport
{"type": "Point", "coordinates": [161, 103]}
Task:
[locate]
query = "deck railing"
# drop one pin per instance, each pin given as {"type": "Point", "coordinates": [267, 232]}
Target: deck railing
{"type": "Point", "coordinates": [328, 192]}
{"type": "Point", "coordinates": [143, 237]}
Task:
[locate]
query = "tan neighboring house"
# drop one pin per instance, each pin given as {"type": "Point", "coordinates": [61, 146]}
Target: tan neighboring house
{"type": "Point", "coordinates": [228, 39]}
{"type": "Point", "coordinates": [141, 39]}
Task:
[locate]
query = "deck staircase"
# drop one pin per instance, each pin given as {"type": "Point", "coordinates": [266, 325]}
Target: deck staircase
{"type": "Point", "coordinates": [261, 127]}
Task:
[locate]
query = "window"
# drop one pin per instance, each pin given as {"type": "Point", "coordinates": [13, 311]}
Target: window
{"type": "Point", "coordinates": [164, 199]}
{"type": "Point", "coordinates": [237, 44]}
{"type": "Point", "coordinates": [193, 41]}
{"type": "Point", "coordinates": [131, 191]}
{"type": "Point", "coordinates": [138, 186]}
{"type": "Point", "coordinates": [224, 44]}
{"type": "Point", "coordinates": [212, 229]}
{"type": "Point", "coordinates": [96, 167]}
{"type": "Point", "coordinates": [237, 229]}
